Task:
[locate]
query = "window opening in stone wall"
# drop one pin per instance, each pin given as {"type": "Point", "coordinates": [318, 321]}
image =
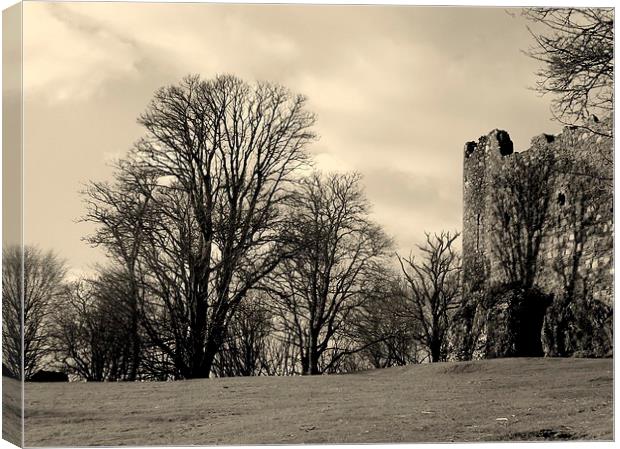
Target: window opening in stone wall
{"type": "Point", "coordinates": [561, 199]}
{"type": "Point", "coordinates": [506, 219]}
{"type": "Point", "coordinates": [506, 146]}
{"type": "Point", "coordinates": [470, 147]}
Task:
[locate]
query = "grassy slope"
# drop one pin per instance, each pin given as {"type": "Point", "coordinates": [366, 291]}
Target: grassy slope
{"type": "Point", "coordinates": [540, 398]}
{"type": "Point", "coordinates": [11, 407]}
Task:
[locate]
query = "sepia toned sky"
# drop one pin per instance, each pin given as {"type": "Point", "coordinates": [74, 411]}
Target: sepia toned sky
{"type": "Point", "coordinates": [397, 91]}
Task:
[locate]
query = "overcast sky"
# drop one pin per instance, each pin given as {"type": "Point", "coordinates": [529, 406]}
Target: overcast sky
{"type": "Point", "coordinates": [397, 91]}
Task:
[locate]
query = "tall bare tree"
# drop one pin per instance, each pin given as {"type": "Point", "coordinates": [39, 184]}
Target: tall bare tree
{"type": "Point", "coordinates": [121, 209]}
{"type": "Point", "coordinates": [338, 249]}
{"type": "Point", "coordinates": [32, 282]}
{"type": "Point", "coordinates": [215, 164]}
{"type": "Point", "coordinates": [576, 49]}
{"type": "Point", "coordinates": [433, 292]}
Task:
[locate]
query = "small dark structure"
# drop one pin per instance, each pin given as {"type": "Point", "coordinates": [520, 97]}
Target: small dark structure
{"type": "Point", "coordinates": [49, 376]}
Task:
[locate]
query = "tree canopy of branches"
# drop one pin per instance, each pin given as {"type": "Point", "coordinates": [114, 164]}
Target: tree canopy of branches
{"type": "Point", "coordinates": [382, 326]}
{"type": "Point", "coordinates": [92, 328]}
{"type": "Point", "coordinates": [245, 351]}
{"type": "Point", "coordinates": [39, 289]}
{"type": "Point", "coordinates": [120, 210]}
{"type": "Point", "coordinates": [576, 49]}
{"type": "Point", "coordinates": [433, 292]}
{"type": "Point", "coordinates": [214, 167]}
{"type": "Point", "coordinates": [338, 250]}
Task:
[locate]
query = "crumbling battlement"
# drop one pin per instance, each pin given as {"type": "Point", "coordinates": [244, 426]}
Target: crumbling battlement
{"type": "Point", "coordinates": [485, 160]}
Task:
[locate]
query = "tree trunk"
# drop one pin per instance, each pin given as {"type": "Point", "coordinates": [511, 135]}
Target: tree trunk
{"type": "Point", "coordinates": [204, 347]}
{"type": "Point", "coordinates": [314, 366]}
{"type": "Point", "coordinates": [310, 363]}
{"type": "Point", "coordinates": [135, 343]}
{"type": "Point", "coordinates": [435, 348]}
{"type": "Point", "coordinates": [134, 334]}
{"type": "Point", "coordinates": [205, 369]}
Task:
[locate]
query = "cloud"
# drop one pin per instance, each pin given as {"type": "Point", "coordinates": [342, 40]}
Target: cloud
{"type": "Point", "coordinates": [408, 204]}
{"type": "Point", "coordinates": [69, 56]}
{"type": "Point", "coordinates": [403, 189]}
{"type": "Point", "coordinates": [397, 92]}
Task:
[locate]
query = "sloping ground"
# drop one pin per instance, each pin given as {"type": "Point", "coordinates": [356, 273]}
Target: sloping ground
{"type": "Point", "coordinates": [529, 399]}
{"type": "Point", "coordinates": [11, 411]}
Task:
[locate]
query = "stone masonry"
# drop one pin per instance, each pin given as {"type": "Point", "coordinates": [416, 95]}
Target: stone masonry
{"type": "Point", "coordinates": [486, 158]}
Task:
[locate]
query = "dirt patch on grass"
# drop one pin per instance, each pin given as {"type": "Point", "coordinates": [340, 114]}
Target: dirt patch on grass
{"type": "Point", "coordinates": [545, 435]}
{"type": "Point", "coordinates": [602, 379]}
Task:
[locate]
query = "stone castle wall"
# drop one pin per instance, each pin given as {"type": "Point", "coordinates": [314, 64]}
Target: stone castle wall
{"type": "Point", "coordinates": [574, 198]}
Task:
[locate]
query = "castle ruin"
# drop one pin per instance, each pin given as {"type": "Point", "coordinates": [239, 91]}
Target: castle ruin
{"type": "Point", "coordinates": [575, 252]}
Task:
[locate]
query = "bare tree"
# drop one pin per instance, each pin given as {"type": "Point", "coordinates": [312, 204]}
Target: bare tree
{"type": "Point", "coordinates": [382, 328]}
{"type": "Point", "coordinates": [433, 291]}
{"type": "Point", "coordinates": [281, 355]}
{"type": "Point", "coordinates": [93, 330]}
{"type": "Point", "coordinates": [576, 48]}
{"type": "Point", "coordinates": [32, 281]}
{"type": "Point", "coordinates": [244, 352]}
{"type": "Point", "coordinates": [214, 165]}
{"type": "Point", "coordinates": [120, 209]}
{"type": "Point", "coordinates": [338, 249]}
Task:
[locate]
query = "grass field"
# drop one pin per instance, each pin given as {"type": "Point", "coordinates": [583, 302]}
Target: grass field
{"type": "Point", "coordinates": [11, 408]}
{"type": "Point", "coordinates": [509, 399]}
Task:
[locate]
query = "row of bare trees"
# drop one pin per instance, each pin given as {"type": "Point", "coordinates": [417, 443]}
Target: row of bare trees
{"type": "Point", "coordinates": [85, 327]}
{"type": "Point", "coordinates": [228, 256]}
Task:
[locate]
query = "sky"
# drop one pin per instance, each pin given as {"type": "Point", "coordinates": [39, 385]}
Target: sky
{"type": "Point", "coordinates": [397, 92]}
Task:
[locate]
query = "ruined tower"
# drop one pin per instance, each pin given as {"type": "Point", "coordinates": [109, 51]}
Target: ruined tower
{"type": "Point", "coordinates": [482, 160]}
{"type": "Point", "coordinates": [577, 240]}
